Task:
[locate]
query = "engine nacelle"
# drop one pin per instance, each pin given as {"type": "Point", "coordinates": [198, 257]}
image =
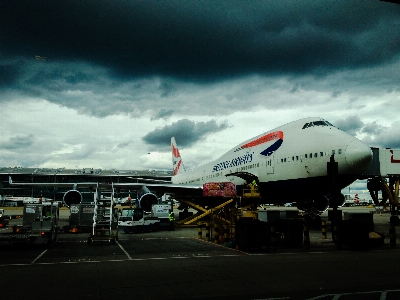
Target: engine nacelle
{"type": "Point", "coordinates": [146, 199]}
{"type": "Point", "coordinates": [318, 205]}
{"type": "Point", "coordinates": [72, 197]}
{"type": "Point", "coordinates": [321, 204]}
{"type": "Point", "coordinates": [336, 199]}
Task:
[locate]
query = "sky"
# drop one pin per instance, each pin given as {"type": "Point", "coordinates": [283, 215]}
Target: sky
{"type": "Point", "coordinates": [105, 84]}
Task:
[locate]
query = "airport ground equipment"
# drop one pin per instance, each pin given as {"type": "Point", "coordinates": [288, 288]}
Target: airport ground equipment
{"type": "Point", "coordinates": [163, 213]}
{"type": "Point", "coordinates": [383, 175]}
{"type": "Point", "coordinates": [81, 218]}
{"type": "Point", "coordinates": [134, 220]}
{"type": "Point", "coordinates": [3, 221]}
{"type": "Point", "coordinates": [105, 219]}
{"type": "Point", "coordinates": [39, 225]}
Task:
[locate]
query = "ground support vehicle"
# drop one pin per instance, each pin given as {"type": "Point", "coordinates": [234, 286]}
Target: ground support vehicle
{"type": "Point", "coordinates": [105, 221]}
{"type": "Point", "coordinates": [134, 220]}
{"type": "Point", "coordinates": [3, 222]}
{"type": "Point", "coordinates": [163, 213]}
{"type": "Point", "coordinates": [81, 218]}
{"type": "Point", "coordinates": [39, 225]}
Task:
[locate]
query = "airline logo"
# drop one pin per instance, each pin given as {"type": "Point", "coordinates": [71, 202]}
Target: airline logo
{"type": "Point", "coordinates": [276, 136]}
{"type": "Point", "coordinates": [237, 161]}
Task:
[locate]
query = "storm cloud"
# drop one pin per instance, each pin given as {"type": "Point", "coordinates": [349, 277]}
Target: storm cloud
{"type": "Point", "coordinates": [203, 40]}
{"type": "Point", "coordinates": [186, 132]}
{"type": "Point", "coordinates": [102, 83]}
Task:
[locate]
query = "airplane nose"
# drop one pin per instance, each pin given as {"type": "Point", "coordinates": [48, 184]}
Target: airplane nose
{"type": "Point", "coordinates": [358, 156]}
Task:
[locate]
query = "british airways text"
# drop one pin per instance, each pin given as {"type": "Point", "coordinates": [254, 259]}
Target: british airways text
{"type": "Point", "coordinates": [244, 159]}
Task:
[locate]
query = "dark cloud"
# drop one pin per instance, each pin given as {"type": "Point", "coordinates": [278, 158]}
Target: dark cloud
{"type": "Point", "coordinates": [9, 75]}
{"type": "Point", "coordinates": [163, 114]}
{"type": "Point", "coordinates": [373, 128]}
{"type": "Point", "coordinates": [354, 125]}
{"type": "Point", "coordinates": [351, 125]}
{"type": "Point", "coordinates": [202, 40]}
{"type": "Point", "coordinates": [186, 132]}
{"type": "Point", "coordinates": [18, 142]}
{"type": "Point", "coordinates": [381, 136]}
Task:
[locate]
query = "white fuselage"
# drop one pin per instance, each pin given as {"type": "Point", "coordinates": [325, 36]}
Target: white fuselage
{"type": "Point", "coordinates": [288, 154]}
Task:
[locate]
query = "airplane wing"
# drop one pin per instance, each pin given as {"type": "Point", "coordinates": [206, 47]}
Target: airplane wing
{"type": "Point", "coordinates": [157, 186]}
{"type": "Point", "coordinates": [180, 189]}
{"type": "Point", "coordinates": [55, 184]}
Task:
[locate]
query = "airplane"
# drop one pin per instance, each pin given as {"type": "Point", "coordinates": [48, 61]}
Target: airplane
{"type": "Point", "coordinates": [288, 164]}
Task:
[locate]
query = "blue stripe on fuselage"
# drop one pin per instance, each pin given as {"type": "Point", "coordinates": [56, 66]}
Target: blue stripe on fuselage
{"type": "Point", "coordinates": [271, 149]}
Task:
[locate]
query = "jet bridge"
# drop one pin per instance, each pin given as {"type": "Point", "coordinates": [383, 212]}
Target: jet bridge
{"type": "Point", "coordinates": [383, 174]}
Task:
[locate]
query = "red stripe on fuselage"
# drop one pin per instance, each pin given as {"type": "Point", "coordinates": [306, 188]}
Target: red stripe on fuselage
{"type": "Point", "coordinates": [264, 139]}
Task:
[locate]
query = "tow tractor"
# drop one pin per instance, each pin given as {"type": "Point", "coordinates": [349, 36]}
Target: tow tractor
{"type": "Point", "coordinates": [39, 225]}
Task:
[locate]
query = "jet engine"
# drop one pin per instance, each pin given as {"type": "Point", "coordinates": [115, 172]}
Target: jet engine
{"type": "Point", "coordinates": [318, 205]}
{"type": "Point", "coordinates": [146, 199]}
{"type": "Point", "coordinates": [336, 199]}
{"type": "Point", "coordinates": [314, 206]}
{"type": "Point", "coordinates": [72, 197]}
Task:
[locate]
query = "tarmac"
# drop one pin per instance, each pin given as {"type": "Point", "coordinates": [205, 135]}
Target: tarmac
{"type": "Point", "coordinates": [177, 265]}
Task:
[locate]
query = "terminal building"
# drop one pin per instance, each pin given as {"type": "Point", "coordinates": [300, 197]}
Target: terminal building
{"type": "Point", "coordinates": [13, 195]}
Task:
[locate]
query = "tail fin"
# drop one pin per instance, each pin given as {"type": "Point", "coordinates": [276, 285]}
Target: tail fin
{"type": "Point", "coordinates": [177, 163]}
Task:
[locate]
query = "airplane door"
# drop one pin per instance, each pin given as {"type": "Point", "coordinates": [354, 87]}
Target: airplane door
{"type": "Point", "coordinates": [270, 164]}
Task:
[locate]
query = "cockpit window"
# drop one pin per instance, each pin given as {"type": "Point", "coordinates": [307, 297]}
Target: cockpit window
{"type": "Point", "coordinates": [317, 123]}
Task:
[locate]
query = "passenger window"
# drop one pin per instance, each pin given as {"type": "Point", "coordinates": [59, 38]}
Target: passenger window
{"type": "Point", "coordinates": [340, 151]}
{"type": "Point", "coordinates": [315, 154]}
{"type": "Point", "coordinates": [321, 154]}
{"type": "Point", "coordinates": [310, 155]}
{"type": "Point", "coordinates": [305, 155]}
{"type": "Point", "coordinates": [297, 157]}
{"type": "Point", "coordinates": [333, 152]}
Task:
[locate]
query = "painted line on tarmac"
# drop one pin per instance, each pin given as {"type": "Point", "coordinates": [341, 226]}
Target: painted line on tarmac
{"type": "Point", "coordinates": [126, 253]}
{"type": "Point", "coordinates": [40, 255]}
{"type": "Point", "coordinates": [383, 294]}
{"type": "Point", "coordinates": [11, 265]}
